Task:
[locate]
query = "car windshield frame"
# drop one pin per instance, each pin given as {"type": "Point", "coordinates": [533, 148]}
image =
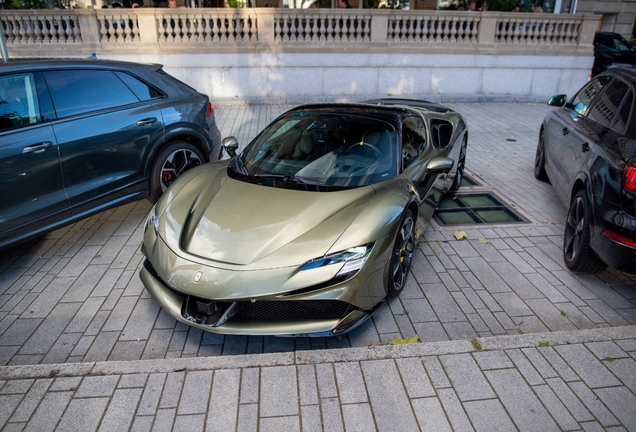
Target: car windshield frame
{"type": "Point", "coordinates": [321, 151]}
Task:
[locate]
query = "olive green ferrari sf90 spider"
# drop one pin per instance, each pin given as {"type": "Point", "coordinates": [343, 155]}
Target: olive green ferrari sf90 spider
{"type": "Point", "coordinates": [311, 227]}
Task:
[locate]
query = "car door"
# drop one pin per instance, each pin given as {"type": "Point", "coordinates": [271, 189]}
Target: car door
{"type": "Point", "coordinates": [416, 152]}
{"type": "Point", "coordinates": [562, 137]}
{"type": "Point", "coordinates": [31, 186]}
{"type": "Point", "coordinates": [103, 130]}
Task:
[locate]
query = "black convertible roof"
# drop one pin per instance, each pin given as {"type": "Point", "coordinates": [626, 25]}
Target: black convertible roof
{"type": "Point", "coordinates": [393, 108]}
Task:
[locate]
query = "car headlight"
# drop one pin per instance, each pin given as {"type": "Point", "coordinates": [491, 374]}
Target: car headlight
{"type": "Point", "coordinates": [354, 258]}
{"type": "Point", "coordinates": [152, 220]}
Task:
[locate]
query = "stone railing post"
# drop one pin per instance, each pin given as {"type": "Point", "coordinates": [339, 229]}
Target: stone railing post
{"type": "Point", "coordinates": [379, 25]}
{"type": "Point", "coordinates": [147, 22]}
{"type": "Point", "coordinates": [487, 28]}
{"type": "Point", "coordinates": [265, 24]}
{"type": "Point", "coordinates": [89, 27]}
{"type": "Point", "coordinates": [588, 28]}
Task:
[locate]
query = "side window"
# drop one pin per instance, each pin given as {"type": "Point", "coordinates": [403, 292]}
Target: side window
{"type": "Point", "coordinates": [622, 119]}
{"type": "Point", "coordinates": [581, 102]}
{"type": "Point", "coordinates": [82, 91]}
{"type": "Point", "coordinates": [18, 101]}
{"type": "Point", "coordinates": [413, 139]}
{"type": "Point", "coordinates": [141, 90]}
{"type": "Point", "coordinates": [607, 103]}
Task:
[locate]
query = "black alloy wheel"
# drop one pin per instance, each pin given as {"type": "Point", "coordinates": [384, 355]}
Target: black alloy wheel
{"type": "Point", "coordinates": [172, 161]}
{"type": "Point", "coordinates": [461, 165]}
{"type": "Point", "coordinates": [402, 254]}
{"type": "Point", "coordinates": [577, 251]}
{"type": "Point", "coordinates": [539, 159]}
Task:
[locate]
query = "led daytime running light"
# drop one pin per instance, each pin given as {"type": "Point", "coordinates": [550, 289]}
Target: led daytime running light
{"type": "Point", "coordinates": [353, 257]}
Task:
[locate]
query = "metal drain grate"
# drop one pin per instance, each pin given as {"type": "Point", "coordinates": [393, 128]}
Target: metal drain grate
{"type": "Point", "coordinates": [475, 208]}
{"type": "Point", "coordinates": [468, 181]}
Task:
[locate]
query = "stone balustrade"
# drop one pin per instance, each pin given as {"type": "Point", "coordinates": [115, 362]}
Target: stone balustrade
{"type": "Point", "coordinates": [212, 30]}
{"type": "Point", "coordinates": [266, 52]}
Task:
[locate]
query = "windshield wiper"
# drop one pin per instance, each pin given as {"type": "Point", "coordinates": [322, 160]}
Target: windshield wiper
{"type": "Point", "coordinates": [289, 178]}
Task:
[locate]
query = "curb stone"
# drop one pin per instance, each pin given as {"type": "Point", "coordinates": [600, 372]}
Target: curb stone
{"type": "Point", "coordinates": [315, 356]}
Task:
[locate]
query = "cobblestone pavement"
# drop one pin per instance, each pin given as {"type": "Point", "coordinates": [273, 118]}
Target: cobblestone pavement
{"type": "Point", "coordinates": [577, 380]}
{"type": "Point", "coordinates": [74, 295]}
{"type": "Point", "coordinates": [512, 339]}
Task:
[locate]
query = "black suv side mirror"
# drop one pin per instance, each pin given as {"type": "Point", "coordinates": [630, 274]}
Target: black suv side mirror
{"type": "Point", "coordinates": [558, 100]}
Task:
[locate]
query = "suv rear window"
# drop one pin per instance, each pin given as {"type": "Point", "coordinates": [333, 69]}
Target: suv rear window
{"type": "Point", "coordinates": [608, 102]}
{"type": "Point", "coordinates": [141, 90]}
{"type": "Point", "coordinates": [82, 91]}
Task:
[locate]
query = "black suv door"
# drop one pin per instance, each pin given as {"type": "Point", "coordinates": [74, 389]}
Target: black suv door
{"type": "Point", "coordinates": [31, 184]}
{"type": "Point", "coordinates": [105, 123]}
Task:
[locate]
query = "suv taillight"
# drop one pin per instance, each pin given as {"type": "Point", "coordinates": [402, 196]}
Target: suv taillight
{"type": "Point", "coordinates": [629, 178]}
{"type": "Point", "coordinates": [210, 109]}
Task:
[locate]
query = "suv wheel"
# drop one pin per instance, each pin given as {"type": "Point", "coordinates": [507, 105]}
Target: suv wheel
{"type": "Point", "coordinates": [577, 252]}
{"type": "Point", "coordinates": [172, 161]}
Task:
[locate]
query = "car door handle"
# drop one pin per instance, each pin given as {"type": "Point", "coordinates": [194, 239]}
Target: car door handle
{"type": "Point", "coordinates": [566, 131]}
{"type": "Point", "coordinates": [37, 148]}
{"type": "Point", "coordinates": [585, 147]}
{"type": "Point", "coordinates": [147, 122]}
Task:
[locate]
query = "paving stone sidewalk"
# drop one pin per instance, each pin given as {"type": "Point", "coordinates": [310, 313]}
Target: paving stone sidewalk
{"type": "Point", "coordinates": [577, 380]}
{"type": "Point", "coordinates": [512, 339]}
{"type": "Point", "coordinates": [74, 295]}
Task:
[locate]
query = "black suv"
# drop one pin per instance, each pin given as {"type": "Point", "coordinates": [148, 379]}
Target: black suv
{"type": "Point", "coordinates": [587, 148]}
{"type": "Point", "coordinates": [80, 136]}
{"type": "Point", "coordinates": [611, 49]}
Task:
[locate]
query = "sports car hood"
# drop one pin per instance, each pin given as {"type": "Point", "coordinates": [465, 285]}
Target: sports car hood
{"type": "Point", "coordinates": [235, 223]}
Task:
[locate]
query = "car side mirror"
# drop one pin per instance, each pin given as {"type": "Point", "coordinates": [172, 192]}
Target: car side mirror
{"type": "Point", "coordinates": [558, 100]}
{"type": "Point", "coordinates": [439, 165]}
{"type": "Point", "coordinates": [230, 144]}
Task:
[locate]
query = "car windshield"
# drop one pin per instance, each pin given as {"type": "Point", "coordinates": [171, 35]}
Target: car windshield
{"type": "Point", "coordinates": [614, 44]}
{"type": "Point", "coordinates": [303, 148]}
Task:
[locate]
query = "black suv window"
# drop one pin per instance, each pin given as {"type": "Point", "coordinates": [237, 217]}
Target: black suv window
{"type": "Point", "coordinates": [141, 90]}
{"type": "Point", "coordinates": [612, 44]}
{"type": "Point", "coordinates": [608, 102]}
{"type": "Point", "coordinates": [581, 102]}
{"type": "Point", "coordinates": [413, 139]}
{"type": "Point", "coordinates": [81, 91]}
{"type": "Point", "coordinates": [622, 119]}
{"type": "Point", "coordinates": [18, 101]}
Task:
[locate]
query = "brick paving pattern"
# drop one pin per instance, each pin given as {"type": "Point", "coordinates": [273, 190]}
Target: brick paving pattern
{"type": "Point", "coordinates": [74, 295]}
{"type": "Point", "coordinates": [513, 340]}
{"type": "Point", "coordinates": [584, 386]}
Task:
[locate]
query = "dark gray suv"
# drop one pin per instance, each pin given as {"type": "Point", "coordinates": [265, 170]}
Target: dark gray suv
{"type": "Point", "coordinates": [80, 136]}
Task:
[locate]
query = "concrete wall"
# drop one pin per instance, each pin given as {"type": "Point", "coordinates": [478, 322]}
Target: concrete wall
{"type": "Point", "coordinates": [349, 75]}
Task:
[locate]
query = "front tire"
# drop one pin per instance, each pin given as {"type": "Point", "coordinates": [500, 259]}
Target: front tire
{"type": "Point", "coordinates": [577, 252]}
{"type": "Point", "coordinates": [539, 159]}
{"type": "Point", "coordinates": [172, 161]}
{"type": "Point", "coordinates": [402, 254]}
